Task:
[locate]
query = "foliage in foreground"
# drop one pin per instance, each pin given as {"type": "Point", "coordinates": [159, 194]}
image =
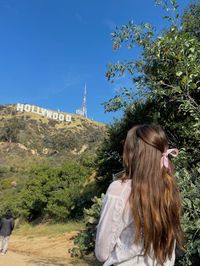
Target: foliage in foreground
{"type": "Point", "coordinates": [84, 241]}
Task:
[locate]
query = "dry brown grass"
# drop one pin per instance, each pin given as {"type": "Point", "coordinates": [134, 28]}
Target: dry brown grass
{"type": "Point", "coordinates": [49, 243]}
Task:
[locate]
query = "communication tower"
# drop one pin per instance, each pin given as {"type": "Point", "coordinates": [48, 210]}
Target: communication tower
{"type": "Point", "coordinates": [83, 110]}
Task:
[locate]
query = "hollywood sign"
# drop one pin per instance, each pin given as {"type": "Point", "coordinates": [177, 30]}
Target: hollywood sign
{"type": "Point", "coordinates": [43, 112]}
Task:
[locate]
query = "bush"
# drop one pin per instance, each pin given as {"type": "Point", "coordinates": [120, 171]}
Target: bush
{"type": "Point", "coordinates": [189, 184]}
{"type": "Point", "coordinates": [52, 192]}
{"type": "Point", "coordinates": [85, 240]}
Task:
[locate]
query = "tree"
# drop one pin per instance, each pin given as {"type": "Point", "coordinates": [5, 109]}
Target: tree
{"type": "Point", "coordinates": [191, 21]}
{"type": "Point", "coordinates": [54, 192]}
{"type": "Point", "coordinates": [166, 90]}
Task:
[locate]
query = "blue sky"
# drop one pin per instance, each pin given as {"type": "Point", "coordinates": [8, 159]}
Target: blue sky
{"type": "Point", "coordinates": [49, 49]}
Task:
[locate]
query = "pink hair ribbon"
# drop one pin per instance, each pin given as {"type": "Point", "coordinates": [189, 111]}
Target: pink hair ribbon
{"type": "Point", "coordinates": [165, 160]}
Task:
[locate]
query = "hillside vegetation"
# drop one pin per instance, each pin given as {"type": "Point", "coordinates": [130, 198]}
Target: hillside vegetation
{"type": "Point", "coordinates": [46, 166]}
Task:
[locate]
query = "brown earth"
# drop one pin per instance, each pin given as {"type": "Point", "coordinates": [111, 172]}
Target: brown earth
{"type": "Point", "coordinates": [15, 259]}
{"type": "Point", "coordinates": [42, 251]}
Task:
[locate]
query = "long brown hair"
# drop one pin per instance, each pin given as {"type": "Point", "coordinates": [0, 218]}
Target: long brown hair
{"type": "Point", "coordinates": [155, 198]}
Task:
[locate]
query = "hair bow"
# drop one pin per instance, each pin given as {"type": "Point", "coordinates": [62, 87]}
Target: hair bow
{"type": "Point", "coordinates": [164, 158]}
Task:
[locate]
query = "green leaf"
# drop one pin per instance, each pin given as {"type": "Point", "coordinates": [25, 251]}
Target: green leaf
{"type": "Point", "coordinates": [179, 73]}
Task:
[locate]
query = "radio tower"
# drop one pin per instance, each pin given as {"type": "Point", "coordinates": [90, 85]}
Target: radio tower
{"type": "Point", "coordinates": [83, 110]}
{"type": "Point", "coordinates": [84, 104]}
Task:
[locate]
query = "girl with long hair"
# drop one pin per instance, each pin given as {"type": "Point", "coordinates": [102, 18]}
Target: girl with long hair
{"type": "Point", "coordinates": [140, 216]}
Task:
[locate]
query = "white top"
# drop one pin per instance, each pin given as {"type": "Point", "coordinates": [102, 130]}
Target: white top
{"type": "Point", "coordinates": [115, 232]}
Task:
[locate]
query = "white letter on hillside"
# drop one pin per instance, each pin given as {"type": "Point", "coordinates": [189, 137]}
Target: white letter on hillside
{"type": "Point", "coordinates": [43, 111]}
{"type": "Point", "coordinates": [20, 107]}
{"type": "Point", "coordinates": [68, 118]}
{"type": "Point", "coordinates": [38, 110]}
{"type": "Point", "coordinates": [55, 116]}
{"type": "Point", "coordinates": [49, 114]}
{"type": "Point", "coordinates": [61, 117]}
{"type": "Point", "coordinates": [33, 108]}
{"type": "Point", "coordinates": [27, 107]}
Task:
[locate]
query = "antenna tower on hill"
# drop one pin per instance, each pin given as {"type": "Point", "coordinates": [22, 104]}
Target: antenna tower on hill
{"type": "Point", "coordinates": [83, 110]}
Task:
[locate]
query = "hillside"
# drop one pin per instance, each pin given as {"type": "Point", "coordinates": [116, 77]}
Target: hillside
{"type": "Point", "coordinates": [41, 149]}
{"type": "Point", "coordinates": [41, 135]}
{"type": "Point", "coordinates": [28, 138]}
{"type": "Point", "coordinates": [27, 134]}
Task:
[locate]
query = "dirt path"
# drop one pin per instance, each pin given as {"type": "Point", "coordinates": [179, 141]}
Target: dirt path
{"type": "Point", "coordinates": [47, 248]}
{"type": "Point", "coordinates": [14, 259]}
{"type": "Point", "coordinates": [42, 251]}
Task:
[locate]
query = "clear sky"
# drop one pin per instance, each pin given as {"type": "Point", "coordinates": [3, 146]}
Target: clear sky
{"type": "Point", "coordinates": [49, 49]}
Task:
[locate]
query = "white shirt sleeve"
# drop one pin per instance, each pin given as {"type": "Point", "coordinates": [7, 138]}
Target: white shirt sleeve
{"type": "Point", "coordinates": [109, 227]}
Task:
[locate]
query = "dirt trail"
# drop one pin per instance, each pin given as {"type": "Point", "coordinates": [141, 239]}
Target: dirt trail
{"type": "Point", "coordinates": [41, 251]}
{"type": "Point", "coordinates": [14, 259]}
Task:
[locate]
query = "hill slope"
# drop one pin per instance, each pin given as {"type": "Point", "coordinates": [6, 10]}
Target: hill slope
{"type": "Point", "coordinates": [30, 134]}
{"type": "Point", "coordinates": [30, 144]}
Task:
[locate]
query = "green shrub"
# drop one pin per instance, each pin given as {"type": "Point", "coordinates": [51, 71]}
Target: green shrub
{"type": "Point", "coordinates": [85, 240]}
{"type": "Point", "coordinates": [189, 184]}
{"type": "Point", "coordinates": [52, 192]}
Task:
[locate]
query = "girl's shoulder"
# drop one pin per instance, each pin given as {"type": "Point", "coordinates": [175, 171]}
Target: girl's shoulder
{"type": "Point", "coordinates": [119, 187]}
